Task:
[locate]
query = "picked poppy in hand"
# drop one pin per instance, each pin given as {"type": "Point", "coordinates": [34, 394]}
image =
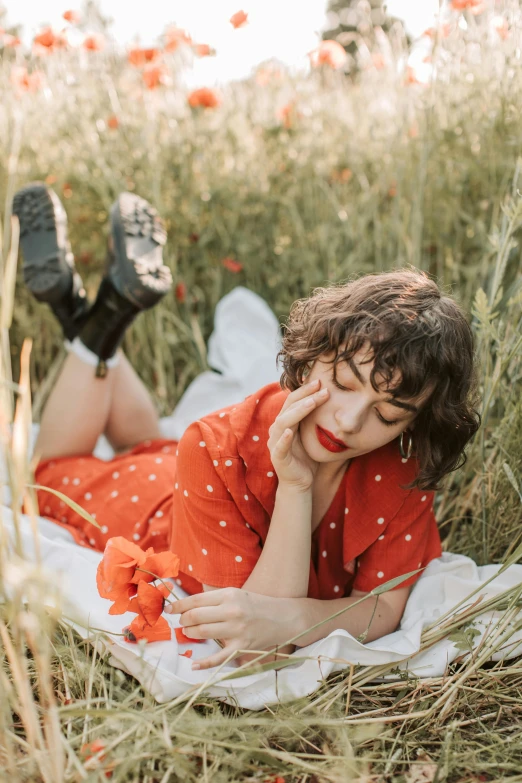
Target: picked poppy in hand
{"type": "Point", "coordinates": [124, 565]}
{"type": "Point", "coordinates": [149, 604]}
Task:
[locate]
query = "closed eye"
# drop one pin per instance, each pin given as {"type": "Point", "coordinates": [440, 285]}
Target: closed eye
{"type": "Point", "coordinates": [386, 422]}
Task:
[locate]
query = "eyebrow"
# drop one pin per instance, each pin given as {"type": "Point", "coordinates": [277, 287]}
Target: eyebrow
{"type": "Point", "coordinates": [392, 401]}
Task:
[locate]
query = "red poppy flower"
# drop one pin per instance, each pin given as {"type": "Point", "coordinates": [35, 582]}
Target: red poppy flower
{"type": "Point", "coordinates": [73, 17]}
{"type": "Point", "coordinates": [150, 602]}
{"type": "Point", "coordinates": [239, 19]}
{"type": "Point", "coordinates": [94, 43]}
{"type": "Point", "coordinates": [181, 292]}
{"type": "Point", "coordinates": [186, 654]}
{"type": "Point", "coordinates": [25, 81]}
{"type": "Point", "coordinates": [341, 175]}
{"type": "Point", "coordinates": [154, 76]}
{"type": "Point", "coordinates": [92, 747]}
{"type": "Point", "coordinates": [47, 40]}
{"type": "Point", "coordinates": [113, 122]}
{"type": "Point", "coordinates": [476, 6]}
{"type": "Point", "coordinates": [91, 750]}
{"type": "Point", "coordinates": [232, 265]}
{"type": "Point", "coordinates": [182, 638]}
{"type": "Point", "coordinates": [149, 624]}
{"type": "Point", "coordinates": [160, 565]}
{"type": "Point", "coordinates": [117, 576]}
{"type": "Point", "coordinates": [176, 37]}
{"type": "Point", "coordinates": [116, 571]}
{"type": "Point", "coordinates": [140, 57]}
{"type": "Point", "coordinates": [140, 629]}
{"type": "Point", "coordinates": [329, 53]}
{"type": "Point", "coordinates": [202, 50]}
{"type": "Point", "coordinates": [204, 97]}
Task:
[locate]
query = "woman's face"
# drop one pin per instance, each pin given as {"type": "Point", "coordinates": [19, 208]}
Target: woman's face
{"type": "Point", "coordinates": [355, 414]}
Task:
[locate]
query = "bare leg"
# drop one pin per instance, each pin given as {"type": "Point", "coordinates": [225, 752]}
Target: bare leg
{"type": "Point", "coordinates": [81, 407]}
{"type": "Point", "coordinates": [132, 417]}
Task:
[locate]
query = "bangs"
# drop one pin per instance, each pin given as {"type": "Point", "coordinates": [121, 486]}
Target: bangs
{"type": "Point", "coordinates": [405, 368]}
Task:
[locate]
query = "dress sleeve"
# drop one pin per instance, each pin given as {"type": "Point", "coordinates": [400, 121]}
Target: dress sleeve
{"type": "Point", "coordinates": [409, 542]}
{"type": "Point", "coordinates": [212, 539]}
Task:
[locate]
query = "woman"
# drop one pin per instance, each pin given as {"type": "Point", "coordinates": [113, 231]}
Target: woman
{"type": "Point", "coordinates": [284, 509]}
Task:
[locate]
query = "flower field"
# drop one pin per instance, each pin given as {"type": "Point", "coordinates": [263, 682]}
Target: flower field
{"type": "Point", "coordinates": [281, 182]}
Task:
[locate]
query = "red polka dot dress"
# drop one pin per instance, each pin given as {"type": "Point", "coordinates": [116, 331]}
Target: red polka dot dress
{"type": "Point", "coordinates": [210, 498]}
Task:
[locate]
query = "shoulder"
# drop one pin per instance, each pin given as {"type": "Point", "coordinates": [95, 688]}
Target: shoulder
{"type": "Point", "coordinates": [385, 470]}
{"type": "Point", "coordinates": [227, 432]}
{"type": "Point", "coordinates": [379, 480]}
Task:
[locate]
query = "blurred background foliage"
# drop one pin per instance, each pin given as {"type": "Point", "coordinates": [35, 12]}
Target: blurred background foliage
{"type": "Point", "coordinates": [291, 181]}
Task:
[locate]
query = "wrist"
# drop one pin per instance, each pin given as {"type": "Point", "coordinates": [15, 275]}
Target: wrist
{"type": "Point", "coordinates": [293, 490]}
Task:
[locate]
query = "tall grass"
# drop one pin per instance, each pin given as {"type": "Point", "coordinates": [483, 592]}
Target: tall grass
{"type": "Point", "coordinates": [364, 176]}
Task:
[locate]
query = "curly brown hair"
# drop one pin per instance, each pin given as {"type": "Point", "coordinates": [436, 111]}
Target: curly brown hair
{"type": "Point", "coordinates": [411, 327]}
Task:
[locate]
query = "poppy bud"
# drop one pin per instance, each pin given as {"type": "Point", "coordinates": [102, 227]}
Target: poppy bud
{"type": "Point", "coordinates": [232, 265]}
{"type": "Point", "coordinates": [181, 292]}
{"type": "Point", "coordinates": [129, 636]}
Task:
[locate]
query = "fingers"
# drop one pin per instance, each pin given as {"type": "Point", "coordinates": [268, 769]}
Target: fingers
{"type": "Point", "coordinates": [226, 655]}
{"type": "Point", "coordinates": [211, 630]}
{"type": "Point", "coordinates": [300, 393]}
{"type": "Point", "coordinates": [283, 445]}
{"type": "Point", "coordinates": [210, 598]}
{"type": "Point", "coordinates": [297, 412]}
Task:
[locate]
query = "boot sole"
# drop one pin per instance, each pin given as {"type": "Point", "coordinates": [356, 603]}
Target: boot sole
{"type": "Point", "coordinates": [137, 271]}
{"type": "Point", "coordinates": [46, 271]}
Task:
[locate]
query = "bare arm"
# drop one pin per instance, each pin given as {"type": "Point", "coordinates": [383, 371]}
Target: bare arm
{"type": "Point", "coordinates": [373, 618]}
{"type": "Point", "coordinates": [283, 568]}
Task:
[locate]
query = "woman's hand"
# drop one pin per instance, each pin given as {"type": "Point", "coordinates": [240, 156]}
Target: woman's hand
{"type": "Point", "coordinates": [241, 619]}
{"type": "Point", "coordinates": [291, 462]}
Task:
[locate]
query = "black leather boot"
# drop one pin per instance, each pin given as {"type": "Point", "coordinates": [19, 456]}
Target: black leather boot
{"type": "Point", "coordinates": [48, 262]}
{"type": "Point", "coordinates": [135, 280]}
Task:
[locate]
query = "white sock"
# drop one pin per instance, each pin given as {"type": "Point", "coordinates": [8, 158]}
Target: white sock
{"type": "Point", "coordinates": [87, 356]}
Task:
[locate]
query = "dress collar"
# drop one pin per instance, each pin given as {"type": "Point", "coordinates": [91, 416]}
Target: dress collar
{"type": "Point", "coordinates": [372, 488]}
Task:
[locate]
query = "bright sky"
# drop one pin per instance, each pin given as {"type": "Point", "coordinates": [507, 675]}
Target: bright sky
{"type": "Point", "coordinates": [284, 29]}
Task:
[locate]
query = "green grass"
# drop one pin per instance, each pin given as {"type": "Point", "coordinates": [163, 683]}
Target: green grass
{"type": "Point", "coordinates": [432, 175]}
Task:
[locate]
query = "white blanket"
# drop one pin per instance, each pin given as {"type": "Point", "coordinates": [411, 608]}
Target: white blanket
{"type": "Point", "coordinates": [243, 347]}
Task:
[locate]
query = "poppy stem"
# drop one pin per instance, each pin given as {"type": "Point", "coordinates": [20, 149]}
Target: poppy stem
{"type": "Point", "coordinates": [169, 588]}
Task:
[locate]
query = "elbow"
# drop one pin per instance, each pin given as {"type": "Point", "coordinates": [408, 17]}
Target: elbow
{"type": "Point", "coordinates": [387, 622]}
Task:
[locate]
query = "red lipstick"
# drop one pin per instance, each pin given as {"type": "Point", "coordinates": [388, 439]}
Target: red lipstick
{"type": "Point", "coordinates": [328, 441]}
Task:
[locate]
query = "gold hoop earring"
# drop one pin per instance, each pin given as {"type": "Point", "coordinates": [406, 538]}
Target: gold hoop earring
{"type": "Point", "coordinates": [405, 454]}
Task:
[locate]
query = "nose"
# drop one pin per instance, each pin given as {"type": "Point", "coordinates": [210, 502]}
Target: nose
{"type": "Point", "coordinates": [350, 416]}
